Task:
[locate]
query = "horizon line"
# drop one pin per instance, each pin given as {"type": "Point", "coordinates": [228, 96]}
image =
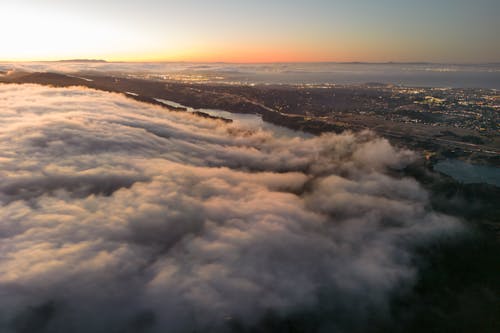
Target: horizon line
{"type": "Point", "coordinates": [84, 60]}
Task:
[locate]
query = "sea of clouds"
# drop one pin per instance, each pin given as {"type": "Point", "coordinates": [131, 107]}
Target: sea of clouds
{"type": "Point", "coordinates": [119, 216]}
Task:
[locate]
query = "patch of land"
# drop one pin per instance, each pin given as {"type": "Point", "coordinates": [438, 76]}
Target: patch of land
{"type": "Point", "coordinates": [441, 123]}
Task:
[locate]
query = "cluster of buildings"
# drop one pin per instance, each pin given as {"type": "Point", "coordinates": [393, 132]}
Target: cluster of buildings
{"type": "Point", "coordinates": [474, 109]}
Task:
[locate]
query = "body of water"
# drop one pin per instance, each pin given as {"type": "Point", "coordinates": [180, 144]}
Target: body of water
{"type": "Point", "coordinates": [413, 74]}
{"type": "Point", "coordinates": [250, 121]}
{"type": "Point", "coordinates": [469, 173]}
{"type": "Point", "coordinates": [459, 170]}
{"type": "Point", "coordinates": [254, 121]}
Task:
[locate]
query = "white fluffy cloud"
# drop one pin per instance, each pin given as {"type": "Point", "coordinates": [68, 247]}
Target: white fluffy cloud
{"type": "Point", "coordinates": [118, 216]}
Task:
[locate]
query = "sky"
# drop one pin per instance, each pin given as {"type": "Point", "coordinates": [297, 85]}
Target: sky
{"type": "Point", "coordinates": [251, 31]}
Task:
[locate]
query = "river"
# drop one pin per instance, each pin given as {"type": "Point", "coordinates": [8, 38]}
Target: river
{"type": "Point", "coordinates": [251, 121]}
{"type": "Point", "coordinates": [459, 170]}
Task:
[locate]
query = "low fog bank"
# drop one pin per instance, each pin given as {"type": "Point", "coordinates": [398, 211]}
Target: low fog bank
{"type": "Point", "coordinates": [118, 216]}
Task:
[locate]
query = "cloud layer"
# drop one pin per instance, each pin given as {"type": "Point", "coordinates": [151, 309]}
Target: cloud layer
{"type": "Point", "coordinates": [117, 216]}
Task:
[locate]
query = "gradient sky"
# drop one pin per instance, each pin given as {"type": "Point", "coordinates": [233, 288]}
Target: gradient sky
{"type": "Point", "coordinates": [252, 31]}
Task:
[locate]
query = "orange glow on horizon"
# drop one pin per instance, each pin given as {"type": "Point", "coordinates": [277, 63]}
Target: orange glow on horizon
{"type": "Point", "coordinates": [235, 54]}
{"type": "Point", "coordinates": [256, 57]}
{"type": "Point", "coordinates": [231, 58]}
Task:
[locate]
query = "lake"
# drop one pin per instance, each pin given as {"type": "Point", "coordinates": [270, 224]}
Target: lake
{"type": "Point", "coordinates": [468, 173]}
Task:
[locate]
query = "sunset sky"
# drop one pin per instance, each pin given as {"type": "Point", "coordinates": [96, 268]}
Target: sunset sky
{"type": "Point", "coordinates": [251, 31]}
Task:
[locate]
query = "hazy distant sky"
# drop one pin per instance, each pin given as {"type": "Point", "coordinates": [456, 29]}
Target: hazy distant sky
{"type": "Point", "coordinates": [252, 31]}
